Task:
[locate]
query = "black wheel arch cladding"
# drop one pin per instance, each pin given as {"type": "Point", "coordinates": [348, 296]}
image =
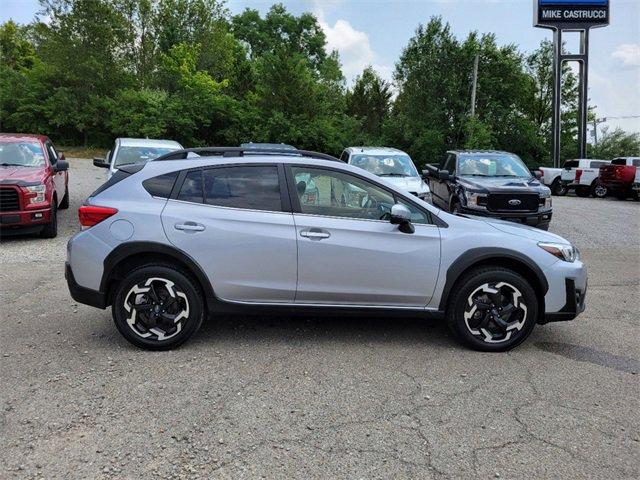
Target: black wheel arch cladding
{"type": "Point", "coordinates": [485, 256]}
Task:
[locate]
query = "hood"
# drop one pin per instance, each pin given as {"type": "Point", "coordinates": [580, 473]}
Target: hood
{"type": "Point", "coordinates": [508, 184]}
{"type": "Point", "coordinates": [409, 184]}
{"type": "Point", "coordinates": [14, 175]}
{"type": "Point", "coordinates": [520, 230]}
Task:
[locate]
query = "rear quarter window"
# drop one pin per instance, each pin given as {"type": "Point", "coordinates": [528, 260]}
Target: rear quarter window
{"type": "Point", "coordinates": [161, 185]}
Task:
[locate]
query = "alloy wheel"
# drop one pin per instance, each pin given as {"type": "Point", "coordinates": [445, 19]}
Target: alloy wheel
{"type": "Point", "coordinates": [157, 309]}
{"type": "Point", "coordinates": [600, 191]}
{"type": "Point", "coordinates": [495, 311]}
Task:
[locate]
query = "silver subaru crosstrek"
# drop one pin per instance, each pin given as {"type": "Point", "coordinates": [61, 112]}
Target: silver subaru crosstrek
{"type": "Point", "coordinates": [180, 238]}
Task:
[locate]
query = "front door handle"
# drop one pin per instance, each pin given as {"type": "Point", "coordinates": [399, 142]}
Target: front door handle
{"type": "Point", "coordinates": [189, 227]}
{"type": "Point", "coordinates": [315, 234]}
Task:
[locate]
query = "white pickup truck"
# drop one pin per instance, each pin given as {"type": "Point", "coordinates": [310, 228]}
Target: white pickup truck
{"type": "Point", "coordinates": [581, 175]}
{"type": "Point", "coordinates": [561, 180]}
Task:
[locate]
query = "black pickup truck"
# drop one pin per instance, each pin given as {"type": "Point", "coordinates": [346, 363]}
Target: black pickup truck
{"type": "Point", "coordinates": [489, 183]}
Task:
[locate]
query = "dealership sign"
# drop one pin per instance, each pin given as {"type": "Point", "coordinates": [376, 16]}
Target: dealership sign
{"type": "Point", "coordinates": [571, 13]}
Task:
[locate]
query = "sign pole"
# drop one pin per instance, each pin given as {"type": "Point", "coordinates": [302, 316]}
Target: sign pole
{"type": "Point", "coordinates": [570, 16]}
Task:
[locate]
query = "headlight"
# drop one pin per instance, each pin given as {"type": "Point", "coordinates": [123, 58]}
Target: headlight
{"type": "Point", "coordinates": [475, 199]}
{"type": "Point", "coordinates": [568, 253]}
{"type": "Point", "coordinates": [36, 193]}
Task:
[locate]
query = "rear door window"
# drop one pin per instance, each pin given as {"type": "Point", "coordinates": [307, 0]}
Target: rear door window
{"type": "Point", "coordinates": [596, 164]}
{"type": "Point", "coordinates": [250, 187]}
{"type": "Point", "coordinates": [191, 190]}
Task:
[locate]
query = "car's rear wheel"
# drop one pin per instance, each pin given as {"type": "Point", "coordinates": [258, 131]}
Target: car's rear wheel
{"type": "Point", "coordinates": [598, 190]}
{"type": "Point", "coordinates": [157, 307]}
{"type": "Point", "coordinates": [492, 309]}
{"type": "Point", "coordinates": [558, 188]}
{"type": "Point", "coordinates": [50, 229]}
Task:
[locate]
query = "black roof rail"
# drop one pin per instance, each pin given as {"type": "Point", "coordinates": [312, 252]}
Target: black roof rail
{"type": "Point", "coordinates": [242, 151]}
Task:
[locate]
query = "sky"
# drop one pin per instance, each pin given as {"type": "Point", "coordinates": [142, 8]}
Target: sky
{"type": "Point", "coordinates": [374, 32]}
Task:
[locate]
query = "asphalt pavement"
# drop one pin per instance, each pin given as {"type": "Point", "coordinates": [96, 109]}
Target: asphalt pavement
{"type": "Point", "coordinates": [294, 397]}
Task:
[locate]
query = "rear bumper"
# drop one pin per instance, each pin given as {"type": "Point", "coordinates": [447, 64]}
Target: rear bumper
{"type": "Point", "coordinates": [540, 219]}
{"type": "Point", "coordinates": [81, 294]}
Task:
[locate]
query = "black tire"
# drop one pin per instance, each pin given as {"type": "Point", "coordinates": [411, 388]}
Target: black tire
{"type": "Point", "coordinates": [472, 296]}
{"type": "Point", "coordinates": [50, 229]}
{"type": "Point", "coordinates": [558, 188]}
{"type": "Point", "coordinates": [635, 196]}
{"type": "Point", "coordinates": [144, 327]}
{"type": "Point", "coordinates": [455, 207]}
{"type": "Point", "coordinates": [582, 191]}
{"type": "Point", "coordinates": [598, 190]}
{"type": "Point", "coordinates": [543, 227]}
{"type": "Point", "coordinates": [64, 204]}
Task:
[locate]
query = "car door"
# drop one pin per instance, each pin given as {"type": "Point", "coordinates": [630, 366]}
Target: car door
{"type": "Point", "coordinates": [235, 222]}
{"type": "Point", "coordinates": [440, 191]}
{"type": "Point", "coordinates": [348, 251]}
{"type": "Point", "coordinates": [58, 177]}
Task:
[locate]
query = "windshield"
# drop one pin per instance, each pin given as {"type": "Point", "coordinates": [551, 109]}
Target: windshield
{"type": "Point", "coordinates": [492, 165]}
{"type": "Point", "coordinates": [24, 154]}
{"type": "Point", "coordinates": [386, 165]}
{"type": "Point", "coordinates": [127, 155]}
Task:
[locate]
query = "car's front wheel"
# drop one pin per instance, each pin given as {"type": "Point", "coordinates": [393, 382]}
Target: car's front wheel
{"type": "Point", "coordinates": [559, 188]}
{"type": "Point", "coordinates": [492, 309]}
{"type": "Point", "coordinates": [598, 190]}
{"type": "Point", "coordinates": [157, 307]}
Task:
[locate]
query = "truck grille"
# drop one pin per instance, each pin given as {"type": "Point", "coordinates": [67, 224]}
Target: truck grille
{"type": "Point", "coordinates": [513, 202]}
{"type": "Point", "coordinates": [9, 200]}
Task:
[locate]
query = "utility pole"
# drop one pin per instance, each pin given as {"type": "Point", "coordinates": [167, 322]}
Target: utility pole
{"type": "Point", "coordinates": [474, 84]}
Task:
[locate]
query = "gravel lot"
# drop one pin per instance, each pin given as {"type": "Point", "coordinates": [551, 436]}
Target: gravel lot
{"type": "Point", "coordinates": [254, 397]}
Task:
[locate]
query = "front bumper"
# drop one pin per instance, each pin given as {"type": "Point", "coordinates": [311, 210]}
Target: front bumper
{"type": "Point", "coordinates": [81, 294]}
{"type": "Point", "coordinates": [539, 219]}
{"type": "Point", "coordinates": [24, 220]}
{"type": "Point", "coordinates": [574, 305]}
{"type": "Point", "coordinates": [565, 297]}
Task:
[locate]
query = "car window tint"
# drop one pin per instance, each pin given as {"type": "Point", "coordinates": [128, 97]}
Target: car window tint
{"type": "Point", "coordinates": [596, 164]}
{"type": "Point", "coordinates": [255, 187]}
{"type": "Point", "coordinates": [161, 185]}
{"type": "Point", "coordinates": [619, 161]}
{"type": "Point", "coordinates": [332, 193]}
{"type": "Point", "coordinates": [636, 163]}
{"type": "Point", "coordinates": [571, 164]}
{"type": "Point", "coordinates": [191, 190]}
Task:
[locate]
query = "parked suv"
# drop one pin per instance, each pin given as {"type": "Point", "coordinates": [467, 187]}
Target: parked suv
{"type": "Point", "coordinates": [394, 165]}
{"type": "Point", "coordinates": [34, 184]}
{"type": "Point", "coordinates": [492, 184]}
{"type": "Point", "coordinates": [171, 241]}
{"type": "Point", "coordinates": [127, 151]}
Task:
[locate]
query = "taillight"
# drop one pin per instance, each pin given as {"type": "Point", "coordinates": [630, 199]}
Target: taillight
{"type": "Point", "coordinates": [578, 175]}
{"type": "Point", "coordinates": [90, 215]}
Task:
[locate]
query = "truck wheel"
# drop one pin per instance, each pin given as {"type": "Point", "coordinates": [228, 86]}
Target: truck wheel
{"type": "Point", "coordinates": [582, 191]}
{"type": "Point", "coordinates": [492, 309]}
{"type": "Point", "coordinates": [64, 204]}
{"type": "Point", "coordinates": [598, 190]}
{"type": "Point", "coordinates": [50, 229]}
{"type": "Point", "coordinates": [455, 207]}
{"type": "Point", "coordinates": [157, 307]}
{"type": "Point", "coordinates": [558, 188]}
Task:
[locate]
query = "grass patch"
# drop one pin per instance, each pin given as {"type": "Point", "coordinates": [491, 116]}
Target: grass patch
{"type": "Point", "coordinates": [83, 152]}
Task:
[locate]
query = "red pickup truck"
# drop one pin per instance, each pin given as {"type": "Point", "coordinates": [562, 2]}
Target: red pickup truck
{"type": "Point", "coordinates": [34, 184]}
{"type": "Point", "coordinates": [618, 177]}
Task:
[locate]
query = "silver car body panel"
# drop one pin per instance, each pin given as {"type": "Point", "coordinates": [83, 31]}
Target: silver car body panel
{"type": "Point", "coordinates": [260, 258]}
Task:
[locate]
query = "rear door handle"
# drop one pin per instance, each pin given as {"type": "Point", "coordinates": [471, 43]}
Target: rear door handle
{"type": "Point", "coordinates": [315, 234]}
{"type": "Point", "coordinates": [189, 227]}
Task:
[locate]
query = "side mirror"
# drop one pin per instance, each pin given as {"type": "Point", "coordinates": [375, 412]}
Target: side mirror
{"type": "Point", "coordinates": [61, 165]}
{"type": "Point", "coordinates": [444, 175]}
{"type": "Point", "coordinates": [400, 215]}
{"type": "Point", "coordinates": [100, 162]}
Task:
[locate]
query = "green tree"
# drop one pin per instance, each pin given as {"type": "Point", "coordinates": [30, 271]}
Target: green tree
{"type": "Point", "coordinates": [370, 100]}
{"type": "Point", "coordinates": [616, 143]}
